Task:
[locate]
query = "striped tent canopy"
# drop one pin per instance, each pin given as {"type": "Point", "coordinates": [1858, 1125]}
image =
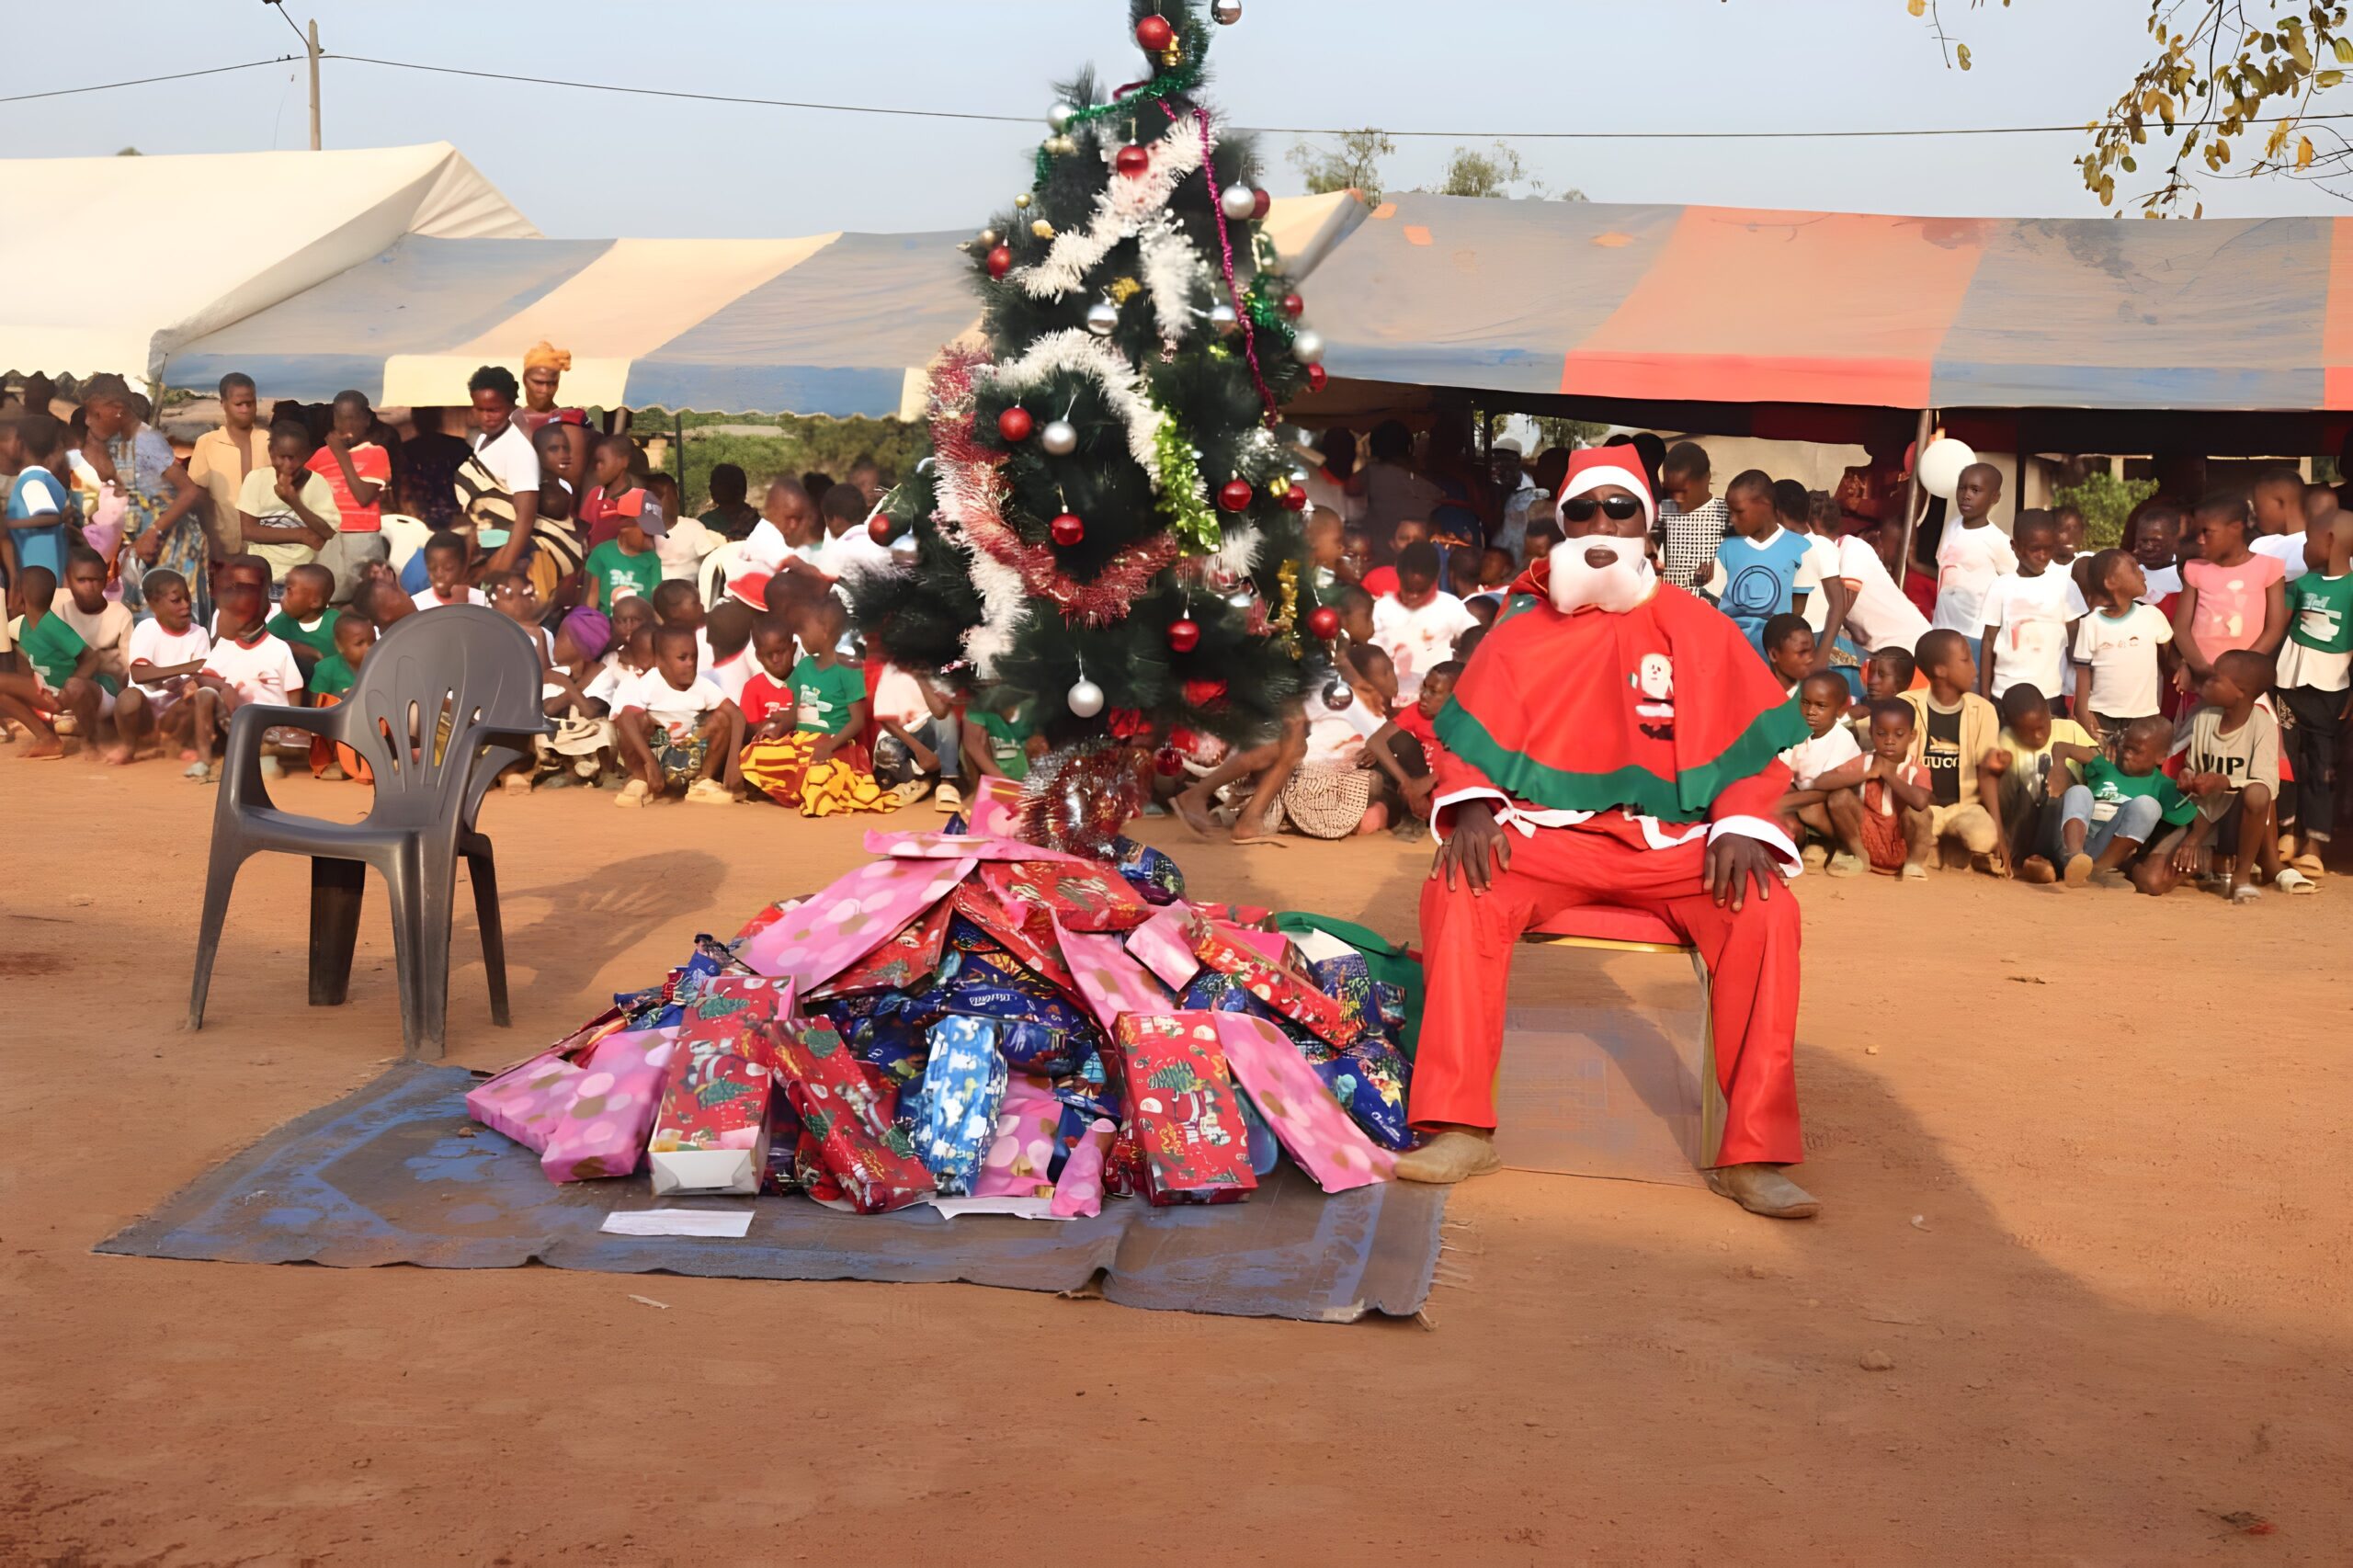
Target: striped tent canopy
{"type": "Point", "coordinates": [839, 325]}
{"type": "Point", "coordinates": [1723, 305]}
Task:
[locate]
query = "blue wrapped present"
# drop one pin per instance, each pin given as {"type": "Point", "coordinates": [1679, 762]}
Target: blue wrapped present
{"type": "Point", "coordinates": [1369, 1079]}
{"type": "Point", "coordinates": [1148, 870]}
{"type": "Point", "coordinates": [964, 1085]}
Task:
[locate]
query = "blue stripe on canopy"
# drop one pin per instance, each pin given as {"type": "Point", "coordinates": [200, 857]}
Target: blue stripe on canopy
{"type": "Point", "coordinates": [419, 297]}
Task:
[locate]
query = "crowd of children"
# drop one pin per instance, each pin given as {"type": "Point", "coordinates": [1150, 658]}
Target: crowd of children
{"type": "Point", "coordinates": [2171, 709]}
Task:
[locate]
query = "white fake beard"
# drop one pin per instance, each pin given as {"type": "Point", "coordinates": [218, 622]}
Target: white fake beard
{"type": "Point", "coordinates": [1613, 589]}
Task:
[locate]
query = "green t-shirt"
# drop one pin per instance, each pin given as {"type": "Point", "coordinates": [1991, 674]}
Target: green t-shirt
{"type": "Point", "coordinates": [1008, 740]}
{"type": "Point", "coordinates": [621, 575]}
{"type": "Point", "coordinates": [826, 695]}
{"type": "Point", "coordinates": [54, 648]}
{"type": "Point", "coordinates": [2111, 787]}
{"type": "Point", "coordinates": [331, 677]}
{"type": "Point", "coordinates": [2320, 612]}
{"type": "Point", "coordinates": [321, 637]}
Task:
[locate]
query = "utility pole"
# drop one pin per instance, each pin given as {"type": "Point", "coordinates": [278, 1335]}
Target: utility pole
{"type": "Point", "coordinates": [313, 41]}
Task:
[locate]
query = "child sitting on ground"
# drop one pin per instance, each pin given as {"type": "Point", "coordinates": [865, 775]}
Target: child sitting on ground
{"type": "Point", "coordinates": [1001, 737]}
{"type": "Point", "coordinates": [677, 728]}
{"type": "Point", "coordinates": [305, 621]}
{"type": "Point", "coordinates": [448, 558]}
{"type": "Point", "coordinates": [1406, 748]}
{"type": "Point", "coordinates": [1826, 773]}
{"type": "Point", "coordinates": [2025, 780]}
{"type": "Point", "coordinates": [1954, 729]}
{"type": "Point", "coordinates": [1789, 648]}
{"type": "Point", "coordinates": [727, 631]}
{"type": "Point", "coordinates": [103, 627]}
{"type": "Point", "coordinates": [1330, 791]}
{"type": "Point", "coordinates": [2122, 801]}
{"type": "Point", "coordinates": [805, 750]}
{"type": "Point", "coordinates": [57, 673]}
{"type": "Point", "coordinates": [1897, 796]}
{"type": "Point", "coordinates": [918, 739]}
{"type": "Point", "coordinates": [1888, 673]}
{"type": "Point", "coordinates": [331, 679]}
{"type": "Point", "coordinates": [2231, 768]}
{"type": "Point", "coordinates": [246, 665]}
{"type": "Point", "coordinates": [1417, 625]}
{"type": "Point", "coordinates": [165, 654]}
{"type": "Point", "coordinates": [2118, 653]}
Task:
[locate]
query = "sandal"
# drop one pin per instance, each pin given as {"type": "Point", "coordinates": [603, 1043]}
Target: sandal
{"type": "Point", "coordinates": [634, 794]}
{"type": "Point", "coordinates": [710, 792]}
{"type": "Point", "coordinates": [2294, 882]}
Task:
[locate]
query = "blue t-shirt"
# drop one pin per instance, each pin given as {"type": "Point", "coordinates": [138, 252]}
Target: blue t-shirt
{"type": "Point", "coordinates": [413, 578]}
{"type": "Point", "coordinates": [1760, 581]}
{"type": "Point", "coordinates": [39, 493]}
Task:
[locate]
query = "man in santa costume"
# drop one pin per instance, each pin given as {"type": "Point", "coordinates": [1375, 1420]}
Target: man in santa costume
{"type": "Point", "coordinates": [1616, 741]}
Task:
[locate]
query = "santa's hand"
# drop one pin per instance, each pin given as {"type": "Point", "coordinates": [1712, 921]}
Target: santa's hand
{"type": "Point", "coordinates": [1475, 846]}
{"type": "Point", "coordinates": [1735, 863]}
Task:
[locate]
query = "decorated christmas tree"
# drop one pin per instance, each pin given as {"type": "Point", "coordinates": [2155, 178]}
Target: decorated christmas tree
{"type": "Point", "coordinates": [1107, 524]}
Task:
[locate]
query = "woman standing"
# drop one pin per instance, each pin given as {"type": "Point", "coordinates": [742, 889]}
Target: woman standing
{"type": "Point", "coordinates": [160, 519]}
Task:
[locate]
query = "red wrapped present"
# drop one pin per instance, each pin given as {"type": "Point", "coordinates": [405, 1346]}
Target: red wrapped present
{"type": "Point", "coordinates": [1081, 894]}
{"type": "Point", "coordinates": [1235, 913]}
{"type": "Point", "coordinates": [1274, 986]}
{"type": "Point", "coordinates": [903, 963]}
{"type": "Point", "coordinates": [768, 916]}
{"type": "Point", "coordinates": [1181, 1109]}
{"type": "Point", "coordinates": [845, 1110]}
{"type": "Point", "coordinates": [1036, 953]}
{"type": "Point", "coordinates": [711, 1131]}
{"type": "Point", "coordinates": [727, 1007]}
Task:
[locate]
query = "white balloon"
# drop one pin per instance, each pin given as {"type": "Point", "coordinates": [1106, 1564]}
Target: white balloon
{"type": "Point", "coordinates": [1941, 464]}
{"type": "Point", "coordinates": [1086, 698]}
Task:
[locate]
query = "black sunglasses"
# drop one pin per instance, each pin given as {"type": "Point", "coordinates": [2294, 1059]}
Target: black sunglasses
{"type": "Point", "coordinates": [1617, 508]}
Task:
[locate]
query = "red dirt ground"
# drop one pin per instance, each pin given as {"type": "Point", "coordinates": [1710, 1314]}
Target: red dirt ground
{"type": "Point", "coordinates": [2120, 1316]}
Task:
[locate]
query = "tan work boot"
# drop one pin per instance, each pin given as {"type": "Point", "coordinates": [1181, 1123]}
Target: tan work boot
{"type": "Point", "coordinates": [1450, 1157]}
{"type": "Point", "coordinates": [1759, 1189]}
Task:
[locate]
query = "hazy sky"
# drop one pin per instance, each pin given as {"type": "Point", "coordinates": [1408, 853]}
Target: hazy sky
{"type": "Point", "coordinates": [593, 164]}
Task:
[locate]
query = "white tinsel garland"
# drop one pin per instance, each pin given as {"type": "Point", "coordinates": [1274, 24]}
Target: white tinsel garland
{"type": "Point", "coordinates": [1076, 352]}
{"type": "Point", "coordinates": [1133, 206]}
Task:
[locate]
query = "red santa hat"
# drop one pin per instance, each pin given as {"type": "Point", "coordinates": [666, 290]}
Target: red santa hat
{"type": "Point", "coordinates": [1621, 466]}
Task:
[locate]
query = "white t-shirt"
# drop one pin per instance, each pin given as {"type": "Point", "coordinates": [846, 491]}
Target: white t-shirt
{"type": "Point", "coordinates": [732, 674]}
{"type": "Point", "coordinates": [427, 598]}
{"type": "Point", "coordinates": [681, 548]}
{"type": "Point", "coordinates": [1880, 616]}
{"type": "Point", "coordinates": [839, 554]}
{"type": "Point", "coordinates": [1335, 739]}
{"type": "Point", "coordinates": [1967, 562]}
{"type": "Point", "coordinates": [264, 673]}
{"type": "Point", "coordinates": [899, 697]}
{"type": "Point", "coordinates": [2162, 582]}
{"type": "Point", "coordinates": [150, 643]}
{"type": "Point", "coordinates": [762, 551]}
{"type": "Point", "coordinates": [611, 685]}
{"type": "Point", "coordinates": [1417, 639]}
{"type": "Point", "coordinates": [679, 712]}
{"type": "Point", "coordinates": [2286, 549]}
{"type": "Point", "coordinates": [1821, 565]}
{"type": "Point", "coordinates": [1817, 754]}
{"type": "Point", "coordinates": [511, 458]}
{"type": "Point", "coordinates": [2123, 652]}
{"type": "Point", "coordinates": [2025, 628]}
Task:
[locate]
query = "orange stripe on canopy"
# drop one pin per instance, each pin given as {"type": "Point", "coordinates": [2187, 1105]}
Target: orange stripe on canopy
{"type": "Point", "coordinates": [2336, 325]}
{"type": "Point", "coordinates": [1887, 289]}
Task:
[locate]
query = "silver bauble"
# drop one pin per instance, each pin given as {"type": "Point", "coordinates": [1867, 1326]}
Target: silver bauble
{"type": "Point", "coordinates": [1241, 600]}
{"type": "Point", "coordinates": [1059, 116]}
{"type": "Point", "coordinates": [1238, 202]}
{"type": "Point", "coordinates": [1060, 436]}
{"type": "Point", "coordinates": [1102, 318]}
{"type": "Point", "coordinates": [1225, 13]}
{"type": "Point", "coordinates": [1307, 348]}
{"type": "Point", "coordinates": [1222, 318]}
{"type": "Point", "coordinates": [1085, 699]}
{"type": "Point", "coordinates": [1338, 696]}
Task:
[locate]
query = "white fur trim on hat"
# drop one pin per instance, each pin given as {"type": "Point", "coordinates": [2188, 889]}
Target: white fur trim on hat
{"type": "Point", "coordinates": [1594, 476]}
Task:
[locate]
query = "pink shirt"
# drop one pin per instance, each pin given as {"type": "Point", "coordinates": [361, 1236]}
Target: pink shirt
{"type": "Point", "coordinates": [2231, 601]}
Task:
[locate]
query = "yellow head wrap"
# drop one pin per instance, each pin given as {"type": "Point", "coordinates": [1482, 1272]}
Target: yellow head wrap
{"type": "Point", "coordinates": [544, 355]}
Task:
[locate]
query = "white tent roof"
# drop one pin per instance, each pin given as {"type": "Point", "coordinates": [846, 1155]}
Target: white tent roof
{"type": "Point", "coordinates": [110, 264]}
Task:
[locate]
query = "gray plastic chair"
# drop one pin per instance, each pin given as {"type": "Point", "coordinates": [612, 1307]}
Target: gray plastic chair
{"type": "Point", "coordinates": [466, 681]}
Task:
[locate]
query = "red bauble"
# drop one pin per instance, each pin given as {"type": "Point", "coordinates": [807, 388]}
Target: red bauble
{"type": "Point", "coordinates": [1169, 761]}
{"type": "Point", "coordinates": [1000, 261]}
{"type": "Point", "coordinates": [1234, 494]}
{"type": "Point", "coordinates": [1295, 499]}
{"type": "Point", "coordinates": [1264, 205]}
{"type": "Point", "coordinates": [1131, 160]}
{"type": "Point", "coordinates": [1184, 635]}
{"type": "Point", "coordinates": [1015, 423]}
{"type": "Point", "coordinates": [1316, 377]}
{"type": "Point", "coordinates": [882, 528]}
{"type": "Point", "coordinates": [1153, 34]}
{"type": "Point", "coordinates": [1203, 693]}
{"type": "Point", "coordinates": [1324, 621]}
{"type": "Point", "coordinates": [1067, 529]}
{"type": "Point", "coordinates": [1293, 306]}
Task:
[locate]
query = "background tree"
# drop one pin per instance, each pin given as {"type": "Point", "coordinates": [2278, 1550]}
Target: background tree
{"type": "Point", "coordinates": [1471, 172]}
{"type": "Point", "coordinates": [1107, 523]}
{"type": "Point", "coordinates": [1354, 164]}
{"type": "Point", "coordinates": [2224, 72]}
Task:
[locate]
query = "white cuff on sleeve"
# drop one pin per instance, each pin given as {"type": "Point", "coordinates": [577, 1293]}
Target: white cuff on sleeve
{"type": "Point", "coordinates": [1767, 833]}
{"type": "Point", "coordinates": [1440, 804]}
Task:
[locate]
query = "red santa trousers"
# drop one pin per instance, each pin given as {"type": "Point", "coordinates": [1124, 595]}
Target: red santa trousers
{"type": "Point", "coordinates": [1752, 958]}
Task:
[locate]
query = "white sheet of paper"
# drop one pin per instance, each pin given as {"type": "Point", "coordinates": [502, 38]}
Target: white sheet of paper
{"type": "Point", "coordinates": [1019, 1208]}
{"type": "Point", "coordinates": [678, 1222]}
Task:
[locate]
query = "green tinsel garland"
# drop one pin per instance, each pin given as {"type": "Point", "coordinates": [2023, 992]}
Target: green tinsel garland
{"type": "Point", "coordinates": [1164, 85]}
{"type": "Point", "coordinates": [1182, 501]}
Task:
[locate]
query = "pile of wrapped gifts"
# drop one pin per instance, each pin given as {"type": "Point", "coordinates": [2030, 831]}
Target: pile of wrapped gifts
{"type": "Point", "coordinates": [975, 1022]}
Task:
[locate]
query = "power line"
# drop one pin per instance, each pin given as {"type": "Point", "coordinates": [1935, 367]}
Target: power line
{"type": "Point", "coordinates": [143, 81]}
